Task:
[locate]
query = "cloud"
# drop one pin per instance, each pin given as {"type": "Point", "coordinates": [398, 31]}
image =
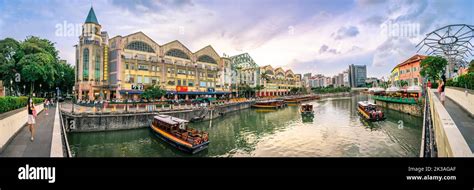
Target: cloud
{"type": "Point", "coordinates": [393, 51]}
{"type": "Point", "coordinates": [325, 49]}
{"type": "Point", "coordinates": [142, 6]}
{"type": "Point", "coordinates": [346, 32]}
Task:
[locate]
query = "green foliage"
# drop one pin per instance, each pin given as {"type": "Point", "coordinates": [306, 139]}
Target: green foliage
{"type": "Point", "coordinates": [323, 90]}
{"type": "Point", "coordinates": [153, 92]}
{"type": "Point", "coordinates": [9, 103]}
{"type": "Point", "coordinates": [463, 81]}
{"type": "Point", "coordinates": [432, 67]}
{"type": "Point", "coordinates": [38, 63]}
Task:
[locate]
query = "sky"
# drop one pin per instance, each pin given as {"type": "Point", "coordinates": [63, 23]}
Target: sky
{"type": "Point", "coordinates": [317, 36]}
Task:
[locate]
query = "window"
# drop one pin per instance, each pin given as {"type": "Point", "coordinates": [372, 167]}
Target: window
{"type": "Point", "coordinates": [140, 79]}
{"type": "Point", "coordinates": [97, 66]}
{"type": "Point", "coordinates": [113, 66]}
{"type": "Point", "coordinates": [180, 71]}
{"type": "Point", "coordinates": [143, 67]}
{"type": "Point", "coordinates": [147, 80]}
{"type": "Point", "coordinates": [184, 82]}
{"type": "Point", "coordinates": [207, 59]}
{"type": "Point", "coordinates": [171, 82]}
{"type": "Point", "coordinates": [210, 75]}
{"type": "Point", "coordinates": [85, 65]}
{"type": "Point", "coordinates": [190, 83]}
{"type": "Point", "coordinates": [177, 53]}
{"type": "Point", "coordinates": [179, 82]}
{"type": "Point", "coordinates": [202, 84]}
{"type": "Point", "coordinates": [140, 46]}
{"type": "Point", "coordinates": [126, 66]}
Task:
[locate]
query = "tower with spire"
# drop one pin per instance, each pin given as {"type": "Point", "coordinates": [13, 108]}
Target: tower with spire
{"type": "Point", "coordinates": [91, 59]}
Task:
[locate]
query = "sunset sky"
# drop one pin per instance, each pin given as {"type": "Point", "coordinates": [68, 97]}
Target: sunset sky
{"type": "Point", "coordinates": [304, 35]}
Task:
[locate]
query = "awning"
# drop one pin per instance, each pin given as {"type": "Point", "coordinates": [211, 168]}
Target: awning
{"type": "Point", "coordinates": [130, 91]}
{"type": "Point", "coordinates": [197, 93]}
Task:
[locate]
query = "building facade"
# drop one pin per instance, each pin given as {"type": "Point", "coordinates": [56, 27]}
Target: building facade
{"type": "Point", "coordinates": [126, 65]}
{"type": "Point", "coordinates": [408, 70]}
{"type": "Point", "coordinates": [357, 75]}
{"type": "Point", "coordinates": [123, 66]}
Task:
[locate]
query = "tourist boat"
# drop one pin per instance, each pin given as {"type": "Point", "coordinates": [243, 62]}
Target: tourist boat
{"type": "Point", "coordinates": [176, 132]}
{"type": "Point", "coordinates": [306, 109]}
{"type": "Point", "coordinates": [370, 111]}
{"type": "Point", "coordinates": [269, 104]}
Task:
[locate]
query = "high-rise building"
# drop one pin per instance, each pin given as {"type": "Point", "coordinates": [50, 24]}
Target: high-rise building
{"type": "Point", "coordinates": [357, 75]}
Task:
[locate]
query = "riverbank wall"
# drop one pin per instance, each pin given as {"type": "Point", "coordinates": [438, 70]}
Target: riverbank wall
{"type": "Point", "coordinates": [90, 122]}
{"type": "Point", "coordinates": [412, 109]}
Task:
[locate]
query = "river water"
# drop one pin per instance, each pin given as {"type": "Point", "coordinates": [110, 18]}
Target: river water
{"type": "Point", "coordinates": [335, 131]}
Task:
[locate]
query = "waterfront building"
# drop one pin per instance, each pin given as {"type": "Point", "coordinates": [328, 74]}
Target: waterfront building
{"type": "Point", "coordinates": [357, 75]}
{"type": "Point", "coordinates": [244, 72]}
{"type": "Point", "coordinates": [306, 78]}
{"type": "Point", "coordinates": [278, 82]}
{"type": "Point", "coordinates": [126, 65]}
{"type": "Point", "coordinates": [408, 70]}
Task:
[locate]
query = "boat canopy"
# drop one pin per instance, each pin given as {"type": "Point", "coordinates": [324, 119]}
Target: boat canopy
{"type": "Point", "coordinates": [170, 120]}
{"type": "Point", "coordinates": [365, 103]}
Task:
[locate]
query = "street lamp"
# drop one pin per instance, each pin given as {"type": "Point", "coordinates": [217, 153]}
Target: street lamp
{"type": "Point", "coordinates": [73, 98]}
{"type": "Point", "coordinates": [126, 102]}
{"type": "Point", "coordinates": [24, 91]}
{"type": "Point", "coordinates": [40, 89]}
{"type": "Point", "coordinates": [11, 87]}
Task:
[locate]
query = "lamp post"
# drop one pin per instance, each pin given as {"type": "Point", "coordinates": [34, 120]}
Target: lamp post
{"type": "Point", "coordinates": [40, 89]}
{"type": "Point", "coordinates": [73, 98]}
{"type": "Point", "coordinates": [24, 89]}
{"type": "Point", "coordinates": [126, 102]}
{"type": "Point", "coordinates": [11, 87]}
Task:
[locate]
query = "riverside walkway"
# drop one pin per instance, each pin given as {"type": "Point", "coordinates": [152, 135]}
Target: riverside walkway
{"type": "Point", "coordinates": [22, 146]}
{"type": "Point", "coordinates": [462, 119]}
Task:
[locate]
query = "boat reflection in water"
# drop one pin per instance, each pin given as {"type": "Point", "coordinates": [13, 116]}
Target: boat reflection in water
{"type": "Point", "coordinates": [336, 131]}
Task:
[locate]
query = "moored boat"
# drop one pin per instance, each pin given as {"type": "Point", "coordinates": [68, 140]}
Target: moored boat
{"type": "Point", "coordinates": [269, 104]}
{"type": "Point", "coordinates": [370, 111]}
{"type": "Point", "coordinates": [176, 132]}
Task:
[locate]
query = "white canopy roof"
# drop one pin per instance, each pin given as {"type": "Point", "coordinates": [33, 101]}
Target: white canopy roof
{"type": "Point", "coordinates": [169, 119]}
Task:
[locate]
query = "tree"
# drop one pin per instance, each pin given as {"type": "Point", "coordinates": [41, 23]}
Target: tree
{"type": "Point", "coordinates": [153, 92]}
{"type": "Point", "coordinates": [432, 67]}
{"type": "Point", "coordinates": [471, 66]}
{"type": "Point", "coordinates": [37, 61]}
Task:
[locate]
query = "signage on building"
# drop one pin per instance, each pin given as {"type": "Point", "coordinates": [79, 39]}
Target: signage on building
{"type": "Point", "coordinates": [137, 86]}
{"type": "Point", "coordinates": [211, 90]}
{"type": "Point", "coordinates": [181, 88]}
{"type": "Point", "coordinates": [106, 61]}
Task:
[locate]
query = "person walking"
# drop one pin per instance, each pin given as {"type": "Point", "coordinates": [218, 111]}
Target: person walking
{"type": "Point", "coordinates": [46, 106]}
{"type": "Point", "coordinates": [31, 117]}
{"type": "Point", "coordinates": [441, 86]}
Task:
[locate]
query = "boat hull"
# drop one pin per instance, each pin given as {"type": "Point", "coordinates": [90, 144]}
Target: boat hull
{"type": "Point", "coordinates": [367, 117]}
{"type": "Point", "coordinates": [181, 146]}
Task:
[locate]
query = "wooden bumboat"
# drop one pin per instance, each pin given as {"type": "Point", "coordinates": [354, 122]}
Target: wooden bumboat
{"type": "Point", "coordinates": [370, 111]}
{"type": "Point", "coordinates": [176, 132]}
{"type": "Point", "coordinates": [306, 109]}
{"type": "Point", "coordinates": [269, 104]}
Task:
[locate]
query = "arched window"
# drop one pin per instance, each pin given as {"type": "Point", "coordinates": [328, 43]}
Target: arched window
{"type": "Point", "coordinates": [177, 53]}
{"type": "Point", "coordinates": [85, 65]}
{"type": "Point", "coordinates": [269, 72]}
{"type": "Point", "coordinates": [207, 59]}
{"type": "Point", "coordinates": [140, 46]}
{"type": "Point", "coordinates": [97, 66]}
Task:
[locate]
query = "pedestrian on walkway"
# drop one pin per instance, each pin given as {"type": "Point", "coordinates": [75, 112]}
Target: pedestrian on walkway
{"type": "Point", "coordinates": [31, 117]}
{"type": "Point", "coordinates": [441, 86]}
{"type": "Point", "coordinates": [46, 106]}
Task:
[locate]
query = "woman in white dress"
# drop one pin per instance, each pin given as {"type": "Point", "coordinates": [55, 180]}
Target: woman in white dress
{"type": "Point", "coordinates": [31, 118]}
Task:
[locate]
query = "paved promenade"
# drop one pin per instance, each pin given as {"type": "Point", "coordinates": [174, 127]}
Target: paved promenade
{"type": "Point", "coordinates": [22, 146]}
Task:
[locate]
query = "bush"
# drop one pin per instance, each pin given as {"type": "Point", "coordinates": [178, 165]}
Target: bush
{"type": "Point", "coordinates": [463, 81]}
{"type": "Point", "coordinates": [9, 103]}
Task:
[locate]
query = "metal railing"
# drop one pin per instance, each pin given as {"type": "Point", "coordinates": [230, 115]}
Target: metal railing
{"type": "Point", "coordinates": [64, 135]}
{"type": "Point", "coordinates": [428, 142]}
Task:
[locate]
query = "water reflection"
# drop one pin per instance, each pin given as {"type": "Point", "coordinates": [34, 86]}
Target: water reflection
{"type": "Point", "coordinates": [335, 130]}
